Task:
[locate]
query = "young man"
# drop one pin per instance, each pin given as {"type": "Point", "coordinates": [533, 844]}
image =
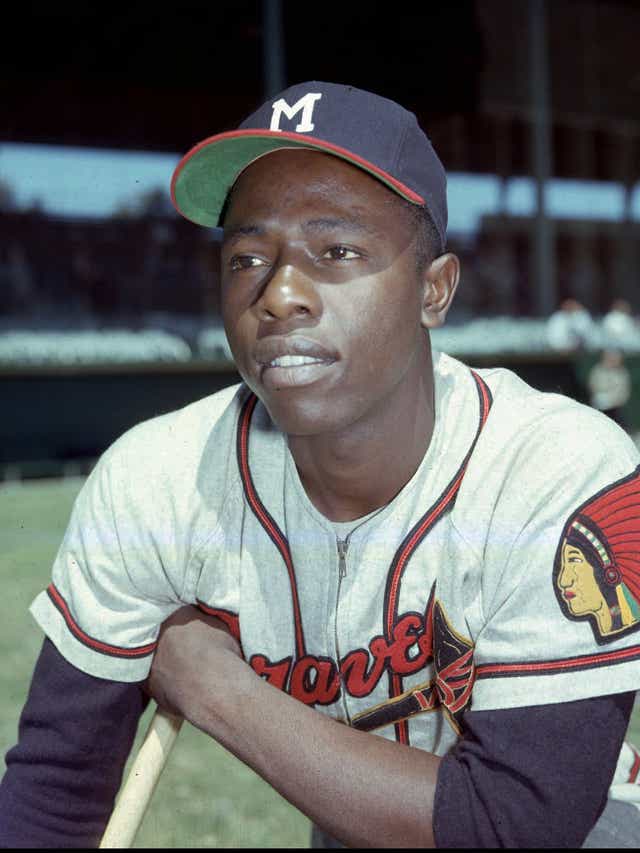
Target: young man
{"type": "Point", "coordinates": [364, 532]}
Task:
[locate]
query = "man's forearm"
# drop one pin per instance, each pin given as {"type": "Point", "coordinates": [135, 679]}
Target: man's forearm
{"type": "Point", "coordinates": [364, 790]}
{"type": "Point", "coordinates": [498, 787]}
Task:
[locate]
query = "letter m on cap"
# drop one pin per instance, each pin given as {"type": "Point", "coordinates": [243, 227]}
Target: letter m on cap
{"type": "Point", "coordinates": [305, 106]}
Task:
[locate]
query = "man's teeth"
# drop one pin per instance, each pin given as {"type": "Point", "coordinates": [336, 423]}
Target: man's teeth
{"type": "Point", "coordinates": [294, 361]}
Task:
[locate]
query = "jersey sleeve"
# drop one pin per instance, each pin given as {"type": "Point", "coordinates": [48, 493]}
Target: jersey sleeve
{"type": "Point", "coordinates": [122, 567]}
{"type": "Point", "coordinates": [561, 574]}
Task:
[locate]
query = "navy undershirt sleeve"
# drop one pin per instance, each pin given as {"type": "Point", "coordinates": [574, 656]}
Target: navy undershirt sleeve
{"type": "Point", "coordinates": [530, 777]}
{"type": "Point", "coordinates": [75, 735]}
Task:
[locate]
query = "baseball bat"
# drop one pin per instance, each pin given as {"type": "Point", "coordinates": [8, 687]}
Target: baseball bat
{"type": "Point", "coordinates": [145, 771]}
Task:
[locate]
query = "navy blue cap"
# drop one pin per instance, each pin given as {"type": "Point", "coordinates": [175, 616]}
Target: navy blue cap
{"type": "Point", "coordinates": [367, 130]}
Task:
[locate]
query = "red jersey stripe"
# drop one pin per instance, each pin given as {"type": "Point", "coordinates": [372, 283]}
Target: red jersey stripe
{"type": "Point", "coordinates": [91, 642]}
{"type": "Point", "coordinates": [492, 670]}
{"type": "Point", "coordinates": [265, 519]}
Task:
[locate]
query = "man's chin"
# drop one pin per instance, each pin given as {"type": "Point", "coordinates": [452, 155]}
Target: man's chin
{"type": "Point", "coordinates": [307, 412]}
{"type": "Point", "coordinates": [303, 417]}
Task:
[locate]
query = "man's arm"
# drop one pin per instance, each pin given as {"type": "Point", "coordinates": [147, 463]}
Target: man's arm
{"type": "Point", "coordinates": [516, 779]}
{"type": "Point", "coordinates": [362, 789]}
{"type": "Point", "coordinates": [62, 777]}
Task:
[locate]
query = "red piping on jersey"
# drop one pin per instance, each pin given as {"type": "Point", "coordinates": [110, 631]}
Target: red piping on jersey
{"type": "Point", "coordinates": [633, 773]}
{"type": "Point", "coordinates": [265, 519]}
{"type": "Point", "coordinates": [91, 642]}
{"type": "Point", "coordinates": [404, 552]}
{"type": "Point", "coordinates": [551, 667]}
{"type": "Point", "coordinates": [413, 539]}
{"type": "Point", "coordinates": [230, 619]}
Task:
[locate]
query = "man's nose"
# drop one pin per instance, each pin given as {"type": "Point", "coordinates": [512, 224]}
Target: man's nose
{"type": "Point", "coordinates": [288, 294]}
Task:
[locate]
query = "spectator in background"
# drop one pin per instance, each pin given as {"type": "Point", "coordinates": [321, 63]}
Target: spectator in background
{"type": "Point", "coordinates": [610, 385]}
{"type": "Point", "coordinates": [619, 325]}
{"type": "Point", "coordinates": [571, 327]}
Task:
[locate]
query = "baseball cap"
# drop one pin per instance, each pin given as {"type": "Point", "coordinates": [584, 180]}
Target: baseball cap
{"type": "Point", "coordinates": [365, 129]}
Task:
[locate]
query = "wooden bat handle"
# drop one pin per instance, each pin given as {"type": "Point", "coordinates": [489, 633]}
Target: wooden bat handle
{"type": "Point", "coordinates": [138, 789]}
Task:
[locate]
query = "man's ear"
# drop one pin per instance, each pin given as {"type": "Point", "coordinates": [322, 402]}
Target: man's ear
{"type": "Point", "coordinates": [440, 282]}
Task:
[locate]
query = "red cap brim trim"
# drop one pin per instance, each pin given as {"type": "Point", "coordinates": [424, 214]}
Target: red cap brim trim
{"type": "Point", "coordinates": [304, 139]}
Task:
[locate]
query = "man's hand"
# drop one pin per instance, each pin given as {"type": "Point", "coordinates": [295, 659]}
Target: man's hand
{"type": "Point", "coordinates": [195, 656]}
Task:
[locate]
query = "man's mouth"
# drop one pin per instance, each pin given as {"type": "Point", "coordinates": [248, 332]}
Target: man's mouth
{"type": "Point", "coordinates": [290, 371]}
{"type": "Point", "coordinates": [295, 361]}
{"type": "Point", "coordinates": [568, 594]}
{"type": "Point", "coordinates": [292, 361]}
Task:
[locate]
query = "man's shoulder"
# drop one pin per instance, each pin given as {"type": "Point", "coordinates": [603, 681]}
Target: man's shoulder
{"type": "Point", "coordinates": [515, 407]}
{"type": "Point", "coordinates": [536, 442]}
{"type": "Point", "coordinates": [180, 453]}
{"type": "Point", "coordinates": [188, 428]}
{"type": "Point", "coordinates": [550, 421]}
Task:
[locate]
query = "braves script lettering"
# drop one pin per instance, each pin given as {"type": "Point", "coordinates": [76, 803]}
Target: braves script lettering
{"type": "Point", "coordinates": [316, 681]}
{"type": "Point", "coordinates": [415, 642]}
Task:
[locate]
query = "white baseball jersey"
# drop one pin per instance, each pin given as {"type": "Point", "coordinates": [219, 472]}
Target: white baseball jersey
{"type": "Point", "coordinates": [471, 589]}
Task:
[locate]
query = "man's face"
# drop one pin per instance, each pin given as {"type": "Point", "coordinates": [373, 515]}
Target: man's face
{"type": "Point", "coordinates": [321, 296]}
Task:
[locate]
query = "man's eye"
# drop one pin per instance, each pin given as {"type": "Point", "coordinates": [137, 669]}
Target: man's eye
{"type": "Point", "coordinates": [245, 262]}
{"type": "Point", "coordinates": [341, 253]}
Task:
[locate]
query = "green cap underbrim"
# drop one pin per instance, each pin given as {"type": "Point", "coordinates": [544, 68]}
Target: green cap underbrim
{"type": "Point", "coordinates": [204, 177]}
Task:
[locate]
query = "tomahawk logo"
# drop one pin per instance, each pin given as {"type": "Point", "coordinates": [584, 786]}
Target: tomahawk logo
{"type": "Point", "coordinates": [305, 105]}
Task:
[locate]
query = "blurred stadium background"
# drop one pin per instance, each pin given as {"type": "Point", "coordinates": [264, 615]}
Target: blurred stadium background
{"type": "Point", "coordinates": [110, 310]}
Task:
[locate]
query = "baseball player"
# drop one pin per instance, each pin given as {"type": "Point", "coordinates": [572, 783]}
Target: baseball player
{"type": "Point", "coordinates": [404, 591]}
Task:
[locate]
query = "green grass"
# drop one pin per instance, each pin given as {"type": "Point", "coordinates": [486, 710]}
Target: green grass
{"type": "Point", "coordinates": [205, 797]}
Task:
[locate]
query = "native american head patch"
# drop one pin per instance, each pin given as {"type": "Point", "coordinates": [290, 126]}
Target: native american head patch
{"type": "Point", "coordinates": [597, 567]}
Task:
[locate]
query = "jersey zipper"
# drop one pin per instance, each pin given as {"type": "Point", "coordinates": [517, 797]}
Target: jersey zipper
{"type": "Point", "coordinates": [343, 547]}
